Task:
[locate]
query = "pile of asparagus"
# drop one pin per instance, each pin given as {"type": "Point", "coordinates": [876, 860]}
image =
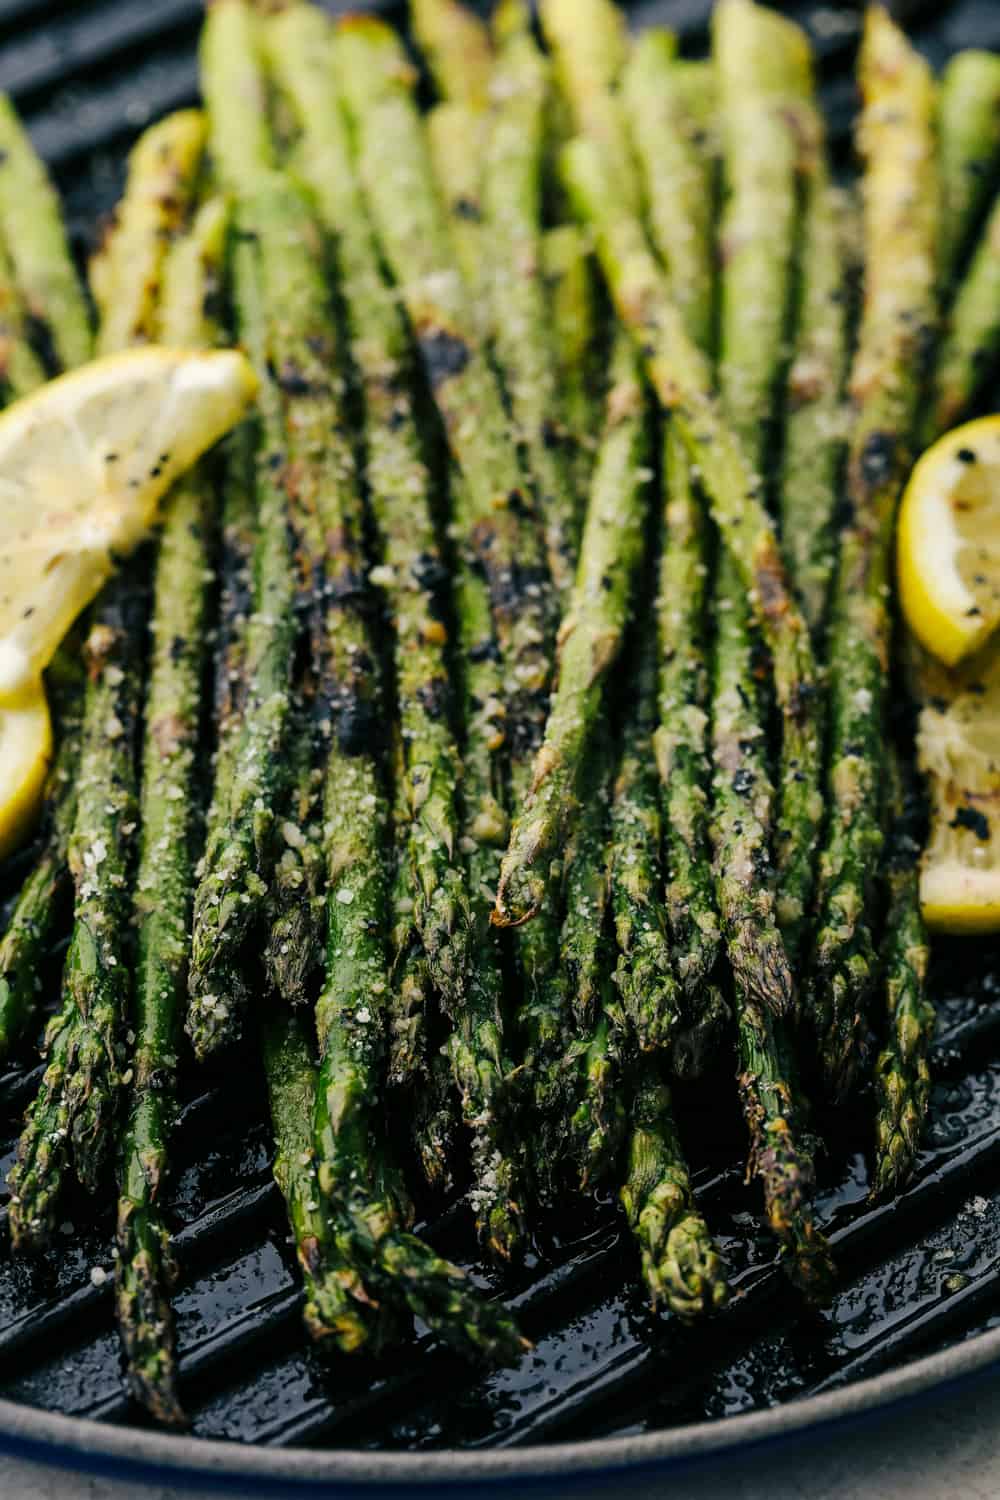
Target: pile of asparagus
{"type": "Point", "coordinates": [541, 621]}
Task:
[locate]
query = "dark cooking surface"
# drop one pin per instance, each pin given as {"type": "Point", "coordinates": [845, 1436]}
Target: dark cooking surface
{"type": "Point", "coordinates": [916, 1276]}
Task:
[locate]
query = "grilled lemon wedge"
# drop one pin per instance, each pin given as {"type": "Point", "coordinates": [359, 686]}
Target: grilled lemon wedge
{"type": "Point", "coordinates": [948, 548]}
{"type": "Point", "coordinates": [84, 463]}
{"type": "Point", "coordinates": [958, 747]}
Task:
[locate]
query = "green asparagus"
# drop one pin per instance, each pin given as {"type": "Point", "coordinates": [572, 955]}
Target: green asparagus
{"type": "Point", "coordinates": [901, 227]}
{"type": "Point", "coordinates": [681, 378]}
{"type": "Point", "coordinates": [815, 427]}
{"type": "Point", "coordinates": [125, 274]}
{"type": "Point", "coordinates": [645, 977]}
{"type": "Point", "coordinates": [590, 641]}
{"type": "Point", "coordinates": [251, 782]}
{"type": "Point", "coordinates": [71, 1119]}
{"type": "Point", "coordinates": [669, 105]}
{"type": "Point", "coordinates": [763, 67]}
{"type": "Point", "coordinates": [411, 575]}
{"type": "Point", "coordinates": [680, 1262]}
{"type": "Point", "coordinates": [377, 86]}
{"type": "Point", "coordinates": [456, 141]}
{"type": "Point", "coordinates": [589, 44]}
{"type": "Point", "coordinates": [21, 369]}
{"type": "Point", "coordinates": [144, 1269]}
{"type": "Point", "coordinates": [968, 127]}
{"type": "Point", "coordinates": [31, 227]}
{"type": "Point", "coordinates": [524, 342]}
{"type": "Point", "coordinates": [40, 899]}
{"type": "Point", "coordinates": [971, 346]}
{"type": "Point", "coordinates": [569, 286]}
{"type": "Point", "coordinates": [902, 1074]}
{"type": "Point", "coordinates": [458, 48]}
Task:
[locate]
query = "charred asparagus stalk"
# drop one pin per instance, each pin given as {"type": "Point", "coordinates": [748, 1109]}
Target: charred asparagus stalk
{"type": "Point", "coordinates": [590, 640]}
{"type": "Point", "coordinates": [144, 1269]}
{"type": "Point", "coordinates": [901, 228]}
{"type": "Point", "coordinates": [589, 44]}
{"type": "Point", "coordinates": [647, 985]}
{"type": "Point", "coordinates": [522, 328]}
{"type": "Point", "coordinates": [680, 375]}
{"type": "Point", "coordinates": [411, 577]}
{"type": "Point", "coordinates": [763, 67]}
{"type": "Point", "coordinates": [669, 105]}
{"type": "Point", "coordinates": [125, 275]}
{"type": "Point", "coordinates": [902, 1074]}
{"type": "Point", "coordinates": [40, 899]}
{"type": "Point", "coordinates": [570, 289]}
{"type": "Point", "coordinates": [32, 228]}
{"type": "Point", "coordinates": [71, 1119]}
{"type": "Point", "coordinates": [778, 1155]}
{"type": "Point", "coordinates": [458, 49]}
{"type": "Point", "coordinates": [680, 1262]}
{"type": "Point", "coordinates": [969, 151]}
{"type": "Point", "coordinates": [378, 89]}
{"type": "Point", "coordinates": [971, 345]}
{"type": "Point", "coordinates": [81, 1088]}
{"type": "Point", "coordinates": [815, 427]}
{"type": "Point", "coordinates": [250, 783]}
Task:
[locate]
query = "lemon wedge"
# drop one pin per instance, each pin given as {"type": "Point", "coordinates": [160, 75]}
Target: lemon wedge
{"type": "Point", "coordinates": [25, 757]}
{"type": "Point", "coordinates": [958, 748]}
{"type": "Point", "coordinates": [948, 547]}
{"type": "Point", "coordinates": [84, 463]}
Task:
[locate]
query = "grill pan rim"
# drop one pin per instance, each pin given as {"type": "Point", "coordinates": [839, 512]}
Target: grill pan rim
{"type": "Point", "coordinates": [93, 1447]}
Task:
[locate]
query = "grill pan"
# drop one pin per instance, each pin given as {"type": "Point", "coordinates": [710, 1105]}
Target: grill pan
{"type": "Point", "coordinates": [610, 1388]}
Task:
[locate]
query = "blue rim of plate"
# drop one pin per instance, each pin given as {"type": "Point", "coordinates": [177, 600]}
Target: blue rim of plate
{"type": "Point", "coordinates": [90, 1447]}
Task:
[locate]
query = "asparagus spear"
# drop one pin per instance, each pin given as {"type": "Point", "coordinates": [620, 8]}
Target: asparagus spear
{"type": "Point", "coordinates": [524, 342]}
{"type": "Point", "coordinates": [163, 168]}
{"type": "Point", "coordinates": [498, 1164]}
{"type": "Point", "coordinates": [339, 1308]}
{"type": "Point", "coordinates": [411, 576]}
{"type": "Point", "coordinates": [570, 289]}
{"type": "Point", "coordinates": [969, 150]}
{"type": "Point", "coordinates": [456, 140]}
{"type": "Point", "coordinates": [589, 44]}
{"type": "Point", "coordinates": [809, 483]}
{"type": "Point", "coordinates": [293, 953]}
{"type": "Point", "coordinates": [680, 1262]}
{"type": "Point", "coordinates": [31, 227]}
{"type": "Point", "coordinates": [39, 901]}
{"type": "Point", "coordinates": [21, 370]}
{"type": "Point", "coordinates": [742, 802]}
{"type": "Point", "coordinates": [647, 984]}
{"type": "Point", "coordinates": [763, 66]}
{"type": "Point", "coordinates": [590, 641]}
{"type": "Point", "coordinates": [378, 89]}
{"type": "Point", "coordinates": [594, 1112]}
{"type": "Point", "coordinates": [458, 48]}
{"type": "Point", "coordinates": [764, 73]}
{"type": "Point", "coordinates": [902, 1075]}
{"type": "Point", "coordinates": [900, 209]}
{"type": "Point", "coordinates": [971, 345]}
{"type": "Point", "coordinates": [681, 378]}
{"type": "Point", "coordinates": [252, 781]}
{"type": "Point", "coordinates": [144, 1269]}
{"type": "Point", "coordinates": [71, 1118]}
{"type": "Point", "coordinates": [669, 105]}
{"type": "Point", "coordinates": [80, 1090]}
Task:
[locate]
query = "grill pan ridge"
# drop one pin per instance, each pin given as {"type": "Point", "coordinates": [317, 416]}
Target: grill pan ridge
{"type": "Point", "coordinates": [918, 1302]}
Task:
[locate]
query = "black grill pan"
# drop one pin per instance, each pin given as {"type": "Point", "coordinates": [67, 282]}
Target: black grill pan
{"type": "Point", "coordinates": [611, 1393]}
